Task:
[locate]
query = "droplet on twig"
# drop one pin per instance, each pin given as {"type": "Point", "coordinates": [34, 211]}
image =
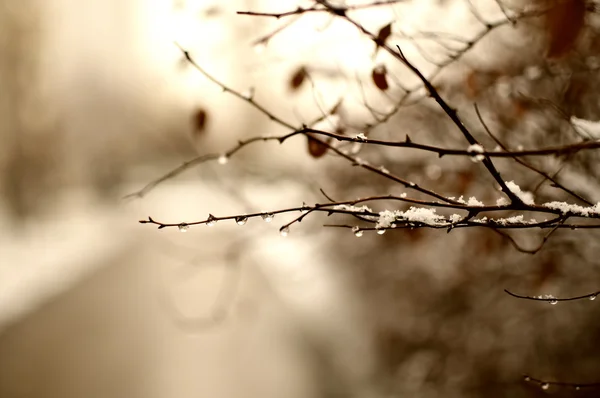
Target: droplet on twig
{"type": "Point", "coordinates": [357, 231]}
{"type": "Point", "coordinates": [260, 47]}
{"type": "Point", "coordinates": [268, 217]}
{"type": "Point", "coordinates": [284, 231]}
{"type": "Point", "coordinates": [183, 227]}
{"type": "Point", "coordinates": [223, 159]}
{"type": "Point", "coordinates": [304, 209]}
{"type": "Point", "coordinates": [248, 94]}
{"type": "Point", "coordinates": [241, 220]}
{"type": "Point", "coordinates": [211, 220]}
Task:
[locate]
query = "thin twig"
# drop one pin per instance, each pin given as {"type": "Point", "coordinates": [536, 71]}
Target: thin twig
{"type": "Point", "coordinates": [589, 296]}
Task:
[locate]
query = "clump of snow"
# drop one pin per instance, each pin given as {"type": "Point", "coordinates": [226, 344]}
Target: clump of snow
{"type": "Point", "coordinates": [525, 196]}
{"type": "Point", "coordinates": [565, 208]}
{"type": "Point", "coordinates": [361, 137]}
{"type": "Point", "coordinates": [356, 209]}
{"type": "Point", "coordinates": [421, 214]}
{"type": "Point", "coordinates": [473, 202]}
{"type": "Point", "coordinates": [414, 214]}
{"type": "Point", "coordinates": [502, 221]}
{"type": "Point", "coordinates": [587, 127]}
{"type": "Point", "coordinates": [512, 220]}
{"type": "Point", "coordinates": [403, 195]}
{"type": "Point", "coordinates": [359, 162]}
{"type": "Point", "coordinates": [454, 218]}
{"type": "Point", "coordinates": [386, 218]}
{"type": "Point", "coordinates": [502, 202]}
{"type": "Point", "coordinates": [475, 148]}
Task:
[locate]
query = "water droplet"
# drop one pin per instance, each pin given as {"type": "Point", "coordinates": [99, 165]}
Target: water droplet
{"type": "Point", "coordinates": [593, 297]}
{"type": "Point", "coordinates": [304, 208]}
{"type": "Point", "coordinates": [380, 231]}
{"type": "Point", "coordinates": [284, 231]}
{"type": "Point", "coordinates": [412, 184]}
{"type": "Point", "coordinates": [393, 225]}
{"type": "Point", "coordinates": [223, 159]}
{"type": "Point", "coordinates": [211, 220]}
{"type": "Point", "coordinates": [183, 227]}
{"type": "Point", "coordinates": [248, 94]}
{"type": "Point", "coordinates": [553, 301]}
{"type": "Point", "coordinates": [577, 388]}
{"type": "Point", "coordinates": [260, 48]}
{"type": "Point", "coordinates": [527, 378]}
{"type": "Point", "coordinates": [357, 232]}
{"type": "Point", "coordinates": [241, 220]}
{"type": "Point", "coordinates": [545, 386]}
{"type": "Point", "coordinates": [268, 217]}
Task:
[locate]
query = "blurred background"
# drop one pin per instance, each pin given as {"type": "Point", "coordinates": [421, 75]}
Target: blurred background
{"type": "Point", "coordinates": [97, 101]}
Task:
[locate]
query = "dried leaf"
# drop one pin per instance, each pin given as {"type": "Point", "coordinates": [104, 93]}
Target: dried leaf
{"type": "Point", "coordinates": [379, 76]}
{"type": "Point", "coordinates": [464, 179]}
{"type": "Point", "coordinates": [477, 81]}
{"type": "Point", "coordinates": [336, 107]}
{"type": "Point", "coordinates": [298, 78]}
{"type": "Point", "coordinates": [315, 147]}
{"type": "Point", "coordinates": [199, 120]}
{"type": "Point", "coordinates": [565, 21]}
{"type": "Point", "coordinates": [383, 34]}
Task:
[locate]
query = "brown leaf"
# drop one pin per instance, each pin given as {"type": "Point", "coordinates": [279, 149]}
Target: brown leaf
{"type": "Point", "coordinates": [379, 76]}
{"type": "Point", "coordinates": [298, 78]}
{"type": "Point", "coordinates": [477, 81]}
{"type": "Point", "coordinates": [383, 34]}
{"type": "Point", "coordinates": [199, 120]}
{"type": "Point", "coordinates": [565, 21]}
{"type": "Point", "coordinates": [464, 179]}
{"type": "Point", "coordinates": [315, 147]}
